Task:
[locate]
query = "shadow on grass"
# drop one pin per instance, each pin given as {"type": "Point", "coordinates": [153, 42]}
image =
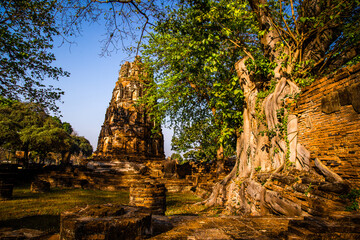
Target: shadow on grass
{"type": "Point", "coordinates": [172, 203]}
{"type": "Point", "coordinates": [48, 223]}
{"type": "Point", "coordinates": [178, 203]}
{"type": "Point", "coordinates": [23, 192]}
{"type": "Point", "coordinates": [101, 197]}
{"type": "Point", "coordinates": [185, 214]}
{"type": "Point", "coordinates": [17, 195]}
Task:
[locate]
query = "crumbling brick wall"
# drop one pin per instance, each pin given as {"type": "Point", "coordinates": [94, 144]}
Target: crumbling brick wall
{"type": "Point", "coordinates": [329, 122]}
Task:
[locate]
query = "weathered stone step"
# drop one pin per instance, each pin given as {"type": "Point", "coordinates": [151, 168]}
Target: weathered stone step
{"type": "Point", "coordinates": [348, 224]}
{"type": "Point", "coordinates": [295, 233]}
{"type": "Point", "coordinates": [345, 218]}
{"type": "Point", "coordinates": [323, 226]}
{"type": "Point", "coordinates": [328, 236]}
{"type": "Point", "coordinates": [299, 232]}
{"type": "Point", "coordinates": [332, 227]}
{"type": "Point", "coordinates": [292, 236]}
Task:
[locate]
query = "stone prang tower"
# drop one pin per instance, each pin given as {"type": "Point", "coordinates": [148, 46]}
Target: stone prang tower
{"type": "Point", "coordinates": [126, 134]}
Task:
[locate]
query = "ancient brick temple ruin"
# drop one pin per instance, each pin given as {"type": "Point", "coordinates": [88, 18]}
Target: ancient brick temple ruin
{"type": "Point", "coordinates": [126, 134]}
{"type": "Point", "coordinates": [128, 151]}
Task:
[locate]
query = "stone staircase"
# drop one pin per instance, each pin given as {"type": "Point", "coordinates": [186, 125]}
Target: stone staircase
{"type": "Point", "coordinates": [121, 175]}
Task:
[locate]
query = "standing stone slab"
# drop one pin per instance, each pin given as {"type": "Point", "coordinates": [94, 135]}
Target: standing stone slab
{"type": "Point", "coordinates": [98, 222]}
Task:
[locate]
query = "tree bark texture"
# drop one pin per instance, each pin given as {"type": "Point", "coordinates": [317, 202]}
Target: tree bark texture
{"type": "Point", "coordinates": [261, 146]}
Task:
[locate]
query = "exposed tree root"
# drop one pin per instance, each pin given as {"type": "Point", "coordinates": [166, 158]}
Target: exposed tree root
{"type": "Point", "coordinates": [218, 194]}
{"type": "Point", "coordinates": [327, 172]}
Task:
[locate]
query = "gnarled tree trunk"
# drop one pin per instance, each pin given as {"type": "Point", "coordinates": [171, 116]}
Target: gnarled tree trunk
{"type": "Point", "coordinates": [268, 141]}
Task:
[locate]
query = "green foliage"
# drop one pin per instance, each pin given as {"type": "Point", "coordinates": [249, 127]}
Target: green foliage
{"type": "Point", "coordinates": [26, 31]}
{"type": "Point", "coordinates": [195, 82]}
{"type": "Point", "coordinates": [258, 168]}
{"type": "Point", "coordinates": [285, 135]}
{"type": "Point", "coordinates": [14, 118]}
{"type": "Point", "coordinates": [268, 132]}
{"type": "Point", "coordinates": [193, 48]}
{"type": "Point", "coordinates": [196, 142]}
{"type": "Point", "coordinates": [353, 196]}
{"type": "Point", "coordinates": [27, 127]}
{"type": "Point", "coordinates": [261, 67]}
{"type": "Point", "coordinates": [49, 137]}
{"type": "Point", "coordinates": [308, 190]}
{"type": "Point", "coordinates": [81, 145]}
{"type": "Point", "coordinates": [269, 88]}
{"type": "Point", "coordinates": [354, 206]}
{"type": "Point", "coordinates": [282, 117]}
{"type": "Point", "coordinates": [303, 82]}
{"type": "Point", "coordinates": [67, 127]}
{"type": "Point", "coordinates": [5, 101]}
{"type": "Point", "coordinates": [179, 159]}
{"type": "Point", "coordinates": [353, 61]}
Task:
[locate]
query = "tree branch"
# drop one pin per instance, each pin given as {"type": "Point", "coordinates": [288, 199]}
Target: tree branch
{"type": "Point", "coordinates": [287, 26]}
{"type": "Point", "coordinates": [341, 59]}
{"type": "Point", "coordinates": [113, 1]}
{"type": "Point", "coordinates": [244, 49]}
{"type": "Point", "coordinates": [293, 15]}
{"type": "Point", "coordinates": [144, 26]}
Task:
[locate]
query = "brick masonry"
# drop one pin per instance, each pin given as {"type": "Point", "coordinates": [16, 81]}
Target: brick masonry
{"type": "Point", "coordinates": [108, 221]}
{"type": "Point", "coordinates": [329, 122]}
{"type": "Point", "coordinates": [149, 194]}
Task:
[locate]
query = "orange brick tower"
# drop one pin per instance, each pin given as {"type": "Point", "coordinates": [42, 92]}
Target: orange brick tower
{"type": "Point", "coordinates": [126, 134]}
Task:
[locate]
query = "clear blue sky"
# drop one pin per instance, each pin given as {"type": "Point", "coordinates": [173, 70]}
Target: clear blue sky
{"type": "Point", "coordinates": [89, 88]}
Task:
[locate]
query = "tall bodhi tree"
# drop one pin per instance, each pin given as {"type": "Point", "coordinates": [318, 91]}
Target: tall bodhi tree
{"type": "Point", "coordinates": [292, 43]}
{"type": "Point", "coordinates": [282, 46]}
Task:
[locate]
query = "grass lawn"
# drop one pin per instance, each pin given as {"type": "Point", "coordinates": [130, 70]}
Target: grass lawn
{"type": "Point", "coordinates": [182, 204]}
{"type": "Point", "coordinates": [42, 210]}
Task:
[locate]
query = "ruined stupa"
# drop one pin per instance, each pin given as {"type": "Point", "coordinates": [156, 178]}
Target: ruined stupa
{"type": "Point", "coordinates": [126, 134]}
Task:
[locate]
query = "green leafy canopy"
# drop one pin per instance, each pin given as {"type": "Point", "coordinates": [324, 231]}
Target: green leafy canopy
{"type": "Point", "coordinates": [195, 81]}
{"type": "Point", "coordinates": [27, 127]}
{"type": "Point", "coordinates": [27, 28]}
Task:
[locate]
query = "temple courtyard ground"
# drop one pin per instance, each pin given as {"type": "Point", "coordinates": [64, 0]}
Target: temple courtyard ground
{"type": "Point", "coordinates": [182, 220]}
